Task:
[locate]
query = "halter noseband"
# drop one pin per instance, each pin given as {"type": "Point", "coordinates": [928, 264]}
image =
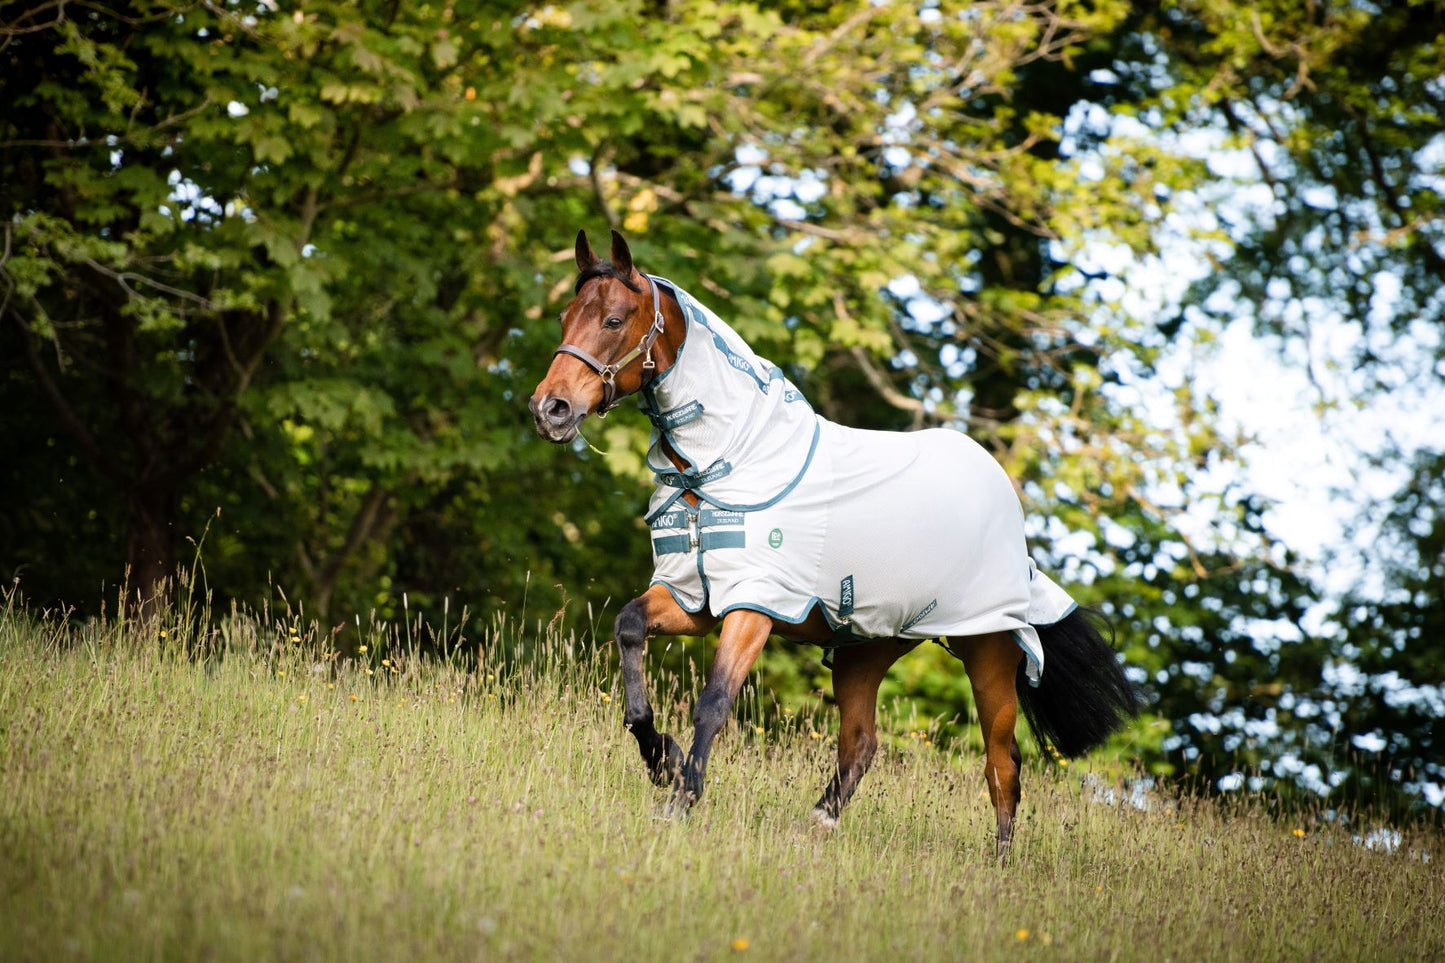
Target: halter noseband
{"type": "Point", "coordinates": [611, 398]}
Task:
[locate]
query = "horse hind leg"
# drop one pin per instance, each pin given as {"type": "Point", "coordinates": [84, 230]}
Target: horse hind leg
{"type": "Point", "coordinates": [858, 670]}
{"type": "Point", "coordinates": [992, 663]}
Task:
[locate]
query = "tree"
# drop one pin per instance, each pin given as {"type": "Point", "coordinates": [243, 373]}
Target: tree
{"type": "Point", "coordinates": [224, 222]}
{"type": "Point", "coordinates": [1339, 108]}
{"type": "Point", "coordinates": [296, 264]}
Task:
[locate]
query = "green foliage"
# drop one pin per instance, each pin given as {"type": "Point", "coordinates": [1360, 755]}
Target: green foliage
{"type": "Point", "coordinates": [280, 280]}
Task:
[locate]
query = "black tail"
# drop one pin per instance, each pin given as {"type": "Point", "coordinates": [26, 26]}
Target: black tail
{"type": "Point", "coordinates": [1083, 696]}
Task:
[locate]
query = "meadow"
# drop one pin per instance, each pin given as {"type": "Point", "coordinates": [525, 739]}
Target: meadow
{"type": "Point", "coordinates": [261, 794]}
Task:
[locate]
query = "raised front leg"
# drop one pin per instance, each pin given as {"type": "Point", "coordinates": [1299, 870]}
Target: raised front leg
{"type": "Point", "coordinates": [653, 613]}
{"type": "Point", "coordinates": [744, 634]}
{"type": "Point", "coordinates": [992, 662]}
{"type": "Point", "coordinates": [858, 670]}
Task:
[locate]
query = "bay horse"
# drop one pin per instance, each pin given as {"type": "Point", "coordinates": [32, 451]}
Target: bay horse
{"type": "Point", "coordinates": [773, 520]}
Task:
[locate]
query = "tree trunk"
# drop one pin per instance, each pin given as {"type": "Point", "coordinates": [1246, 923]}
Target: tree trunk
{"type": "Point", "coordinates": [151, 547]}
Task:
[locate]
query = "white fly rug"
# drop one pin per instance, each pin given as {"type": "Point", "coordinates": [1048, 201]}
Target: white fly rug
{"type": "Point", "coordinates": [893, 535]}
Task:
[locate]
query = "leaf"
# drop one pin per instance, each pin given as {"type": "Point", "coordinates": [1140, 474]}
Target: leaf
{"type": "Point", "coordinates": [271, 148]}
{"type": "Point", "coordinates": [444, 53]}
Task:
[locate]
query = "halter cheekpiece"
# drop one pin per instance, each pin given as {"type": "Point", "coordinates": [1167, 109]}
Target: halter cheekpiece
{"type": "Point", "coordinates": [611, 398]}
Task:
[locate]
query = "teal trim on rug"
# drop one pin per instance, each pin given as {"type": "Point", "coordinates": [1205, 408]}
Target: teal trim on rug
{"type": "Point", "coordinates": [651, 410]}
{"type": "Point", "coordinates": [672, 545]}
{"type": "Point", "coordinates": [673, 592]}
{"type": "Point", "coordinates": [808, 607]}
{"type": "Point", "coordinates": [664, 507]}
{"type": "Point", "coordinates": [707, 542]}
{"type": "Point", "coordinates": [759, 506]}
{"type": "Point", "coordinates": [1034, 668]}
{"type": "Point", "coordinates": [711, 541]}
{"type": "Point", "coordinates": [712, 517]}
{"type": "Point", "coordinates": [919, 617]}
{"type": "Point", "coordinates": [692, 479]}
{"type": "Point", "coordinates": [677, 417]}
{"type": "Point", "coordinates": [673, 518]}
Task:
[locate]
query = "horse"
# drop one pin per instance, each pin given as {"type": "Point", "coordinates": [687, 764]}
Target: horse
{"type": "Point", "coordinates": [775, 521]}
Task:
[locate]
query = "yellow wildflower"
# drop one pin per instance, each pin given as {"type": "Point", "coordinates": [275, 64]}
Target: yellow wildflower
{"type": "Point", "coordinates": [740, 944]}
{"type": "Point", "coordinates": [1021, 935]}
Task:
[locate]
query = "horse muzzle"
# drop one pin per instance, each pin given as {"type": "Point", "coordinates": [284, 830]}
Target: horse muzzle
{"type": "Point", "coordinates": [556, 418]}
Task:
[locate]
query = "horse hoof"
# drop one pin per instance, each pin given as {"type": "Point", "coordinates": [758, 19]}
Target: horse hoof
{"type": "Point", "coordinates": [679, 805]}
{"type": "Point", "coordinates": [821, 824]}
{"type": "Point", "coordinates": [668, 767]}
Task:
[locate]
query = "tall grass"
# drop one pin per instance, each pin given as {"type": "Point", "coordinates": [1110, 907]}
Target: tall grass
{"type": "Point", "coordinates": [252, 793]}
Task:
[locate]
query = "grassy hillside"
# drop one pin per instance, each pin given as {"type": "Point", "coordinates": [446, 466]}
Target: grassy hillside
{"type": "Point", "coordinates": [273, 800]}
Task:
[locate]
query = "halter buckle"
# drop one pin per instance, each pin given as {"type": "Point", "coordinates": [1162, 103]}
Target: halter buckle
{"type": "Point", "coordinates": [650, 338]}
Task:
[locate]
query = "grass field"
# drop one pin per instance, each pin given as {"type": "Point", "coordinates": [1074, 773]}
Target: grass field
{"type": "Point", "coordinates": [272, 801]}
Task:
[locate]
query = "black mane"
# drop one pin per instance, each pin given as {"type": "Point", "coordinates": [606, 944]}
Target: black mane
{"type": "Point", "coordinates": [604, 269]}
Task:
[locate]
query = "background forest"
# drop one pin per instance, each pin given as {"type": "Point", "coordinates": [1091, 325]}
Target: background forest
{"type": "Point", "coordinates": [276, 280]}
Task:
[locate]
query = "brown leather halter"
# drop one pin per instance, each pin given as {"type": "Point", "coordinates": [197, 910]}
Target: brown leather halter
{"type": "Point", "coordinates": [611, 398]}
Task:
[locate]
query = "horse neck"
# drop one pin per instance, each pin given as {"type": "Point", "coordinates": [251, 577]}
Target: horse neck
{"type": "Point", "coordinates": [669, 346]}
{"type": "Point", "coordinates": [674, 329]}
{"type": "Point", "coordinates": [723, 406]}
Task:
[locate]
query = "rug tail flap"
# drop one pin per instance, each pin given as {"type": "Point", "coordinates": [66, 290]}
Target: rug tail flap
{"type": "Point", "coordinates": [1047, 602]}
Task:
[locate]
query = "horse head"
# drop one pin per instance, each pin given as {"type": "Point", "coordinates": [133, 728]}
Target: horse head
{"type": "Point", "coordinates": [615, 339]}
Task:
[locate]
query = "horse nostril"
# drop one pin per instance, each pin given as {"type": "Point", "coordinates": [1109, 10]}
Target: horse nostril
{"type": "Point", "coordinates": [557, 410]}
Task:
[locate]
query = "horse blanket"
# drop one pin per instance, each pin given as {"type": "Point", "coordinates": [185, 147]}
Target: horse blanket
{"type": "Point", "coordinates": [911, 535]}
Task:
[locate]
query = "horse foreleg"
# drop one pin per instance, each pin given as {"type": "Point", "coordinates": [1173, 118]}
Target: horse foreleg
{"type": "Point", "coordinates": [653, 613]}
{"type": "Point", "coordinates": [744, 633]}
{"type": "Point", "coordinates": [992, 662]}
{"type": "Point", "coordinates": [858, 670]}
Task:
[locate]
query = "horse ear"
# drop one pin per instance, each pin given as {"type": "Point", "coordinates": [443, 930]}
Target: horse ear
{"type": "Point", "coordinates": [621, 255]}
{"type": "Point", "coordinates": [586, 257]}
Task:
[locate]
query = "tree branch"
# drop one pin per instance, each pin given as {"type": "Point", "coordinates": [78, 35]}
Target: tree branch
{"type": "Point", "coordinates": [69, 420]}
{"type": "Point", "coordinates": [373, 516]}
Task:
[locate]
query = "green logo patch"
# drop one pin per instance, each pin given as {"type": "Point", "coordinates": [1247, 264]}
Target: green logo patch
{"type": "Point", "coordinates": [775, 538]}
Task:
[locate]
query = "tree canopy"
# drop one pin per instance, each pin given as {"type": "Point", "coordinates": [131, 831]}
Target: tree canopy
{"type": "Point", "coordinates": [276, 281]}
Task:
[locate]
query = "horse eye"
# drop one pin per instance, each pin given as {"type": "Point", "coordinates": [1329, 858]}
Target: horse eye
{"type": "Point", "coordinates": [612, 322]}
